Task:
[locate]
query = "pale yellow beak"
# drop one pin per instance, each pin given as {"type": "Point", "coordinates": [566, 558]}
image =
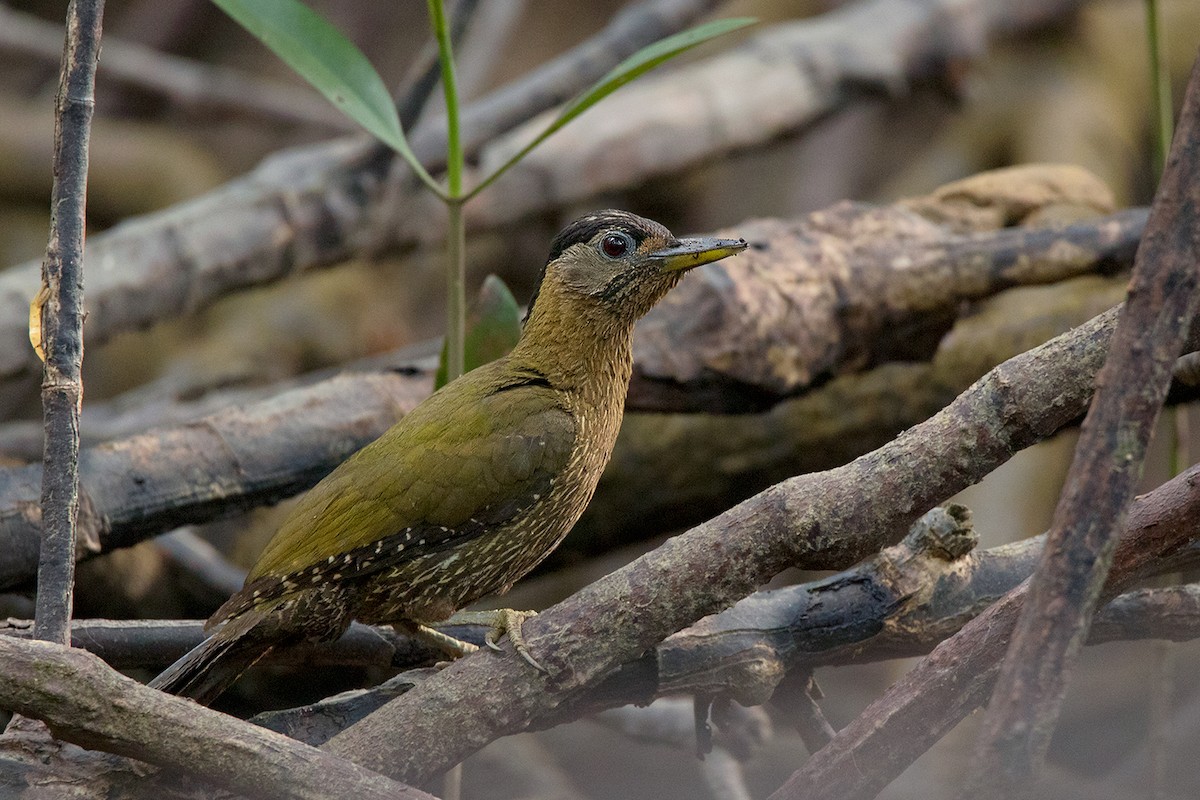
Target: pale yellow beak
{"type": "Point", "coordinates": [690, 253]}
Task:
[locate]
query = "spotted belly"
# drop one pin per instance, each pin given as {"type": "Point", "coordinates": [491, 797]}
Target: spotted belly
{"type": "Point", "coordinates": [433, 586]}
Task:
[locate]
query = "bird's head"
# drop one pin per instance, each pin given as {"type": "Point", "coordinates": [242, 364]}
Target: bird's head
{"type": "Point", "coordinates": [620, 265]}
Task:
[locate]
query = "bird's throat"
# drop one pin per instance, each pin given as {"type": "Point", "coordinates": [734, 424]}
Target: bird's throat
{"type": "Point", "coordinates": [579, 348]}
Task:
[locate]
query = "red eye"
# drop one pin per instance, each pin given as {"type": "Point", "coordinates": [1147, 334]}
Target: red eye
{"type": "Point", "coordinates": [614, 245]}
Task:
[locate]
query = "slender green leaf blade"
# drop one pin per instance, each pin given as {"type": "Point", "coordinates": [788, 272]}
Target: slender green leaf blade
{"type": "Point", "coordinates": [645, 60]}
{"type": "Point", "coordinates": [320, 54]}
{"type": "Point", "coordinates": [636, 65]}
{"type": "Point", "coordinates": [493, 329]}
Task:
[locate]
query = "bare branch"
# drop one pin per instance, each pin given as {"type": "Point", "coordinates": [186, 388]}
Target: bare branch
{"type": "Point", "coordinates": [1026, 702]}
{"type": "Point", "coordinates": [958, 675]}
{"type": "Point", "coordinates": [826, 295]}
{"type": "Point", "coordinates": [87, 703]}
{"type": "Point", "coordinates": [215, 466]}
{"type": "Point", "coordinates": [815, 521]}
{"type": "Point", "coordinates": [59, 312]}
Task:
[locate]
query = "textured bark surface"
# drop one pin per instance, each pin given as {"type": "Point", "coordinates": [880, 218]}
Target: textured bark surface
{"type": "Point", "coordinates": [86, 703]}
{"type": "Point", "coordinates": [1163, 297]}
{"type": "Point", "coordinates": [59, 316]}
{"type": "Point", "coordinates": [823, 521]}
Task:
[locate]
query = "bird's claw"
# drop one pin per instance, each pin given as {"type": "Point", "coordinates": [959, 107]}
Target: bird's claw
{"type": "Point", "coordinates": [509, 621]}
{"type": "Point", "coordinates": [500, 621]}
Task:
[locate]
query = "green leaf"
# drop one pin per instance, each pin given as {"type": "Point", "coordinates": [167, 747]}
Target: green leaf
{"type": "Point", "coordinates": [637, 64]}
{"type": "Point", "coordinates": [320, 54]}
{"type": "Point", "coordinates": [493, 328]}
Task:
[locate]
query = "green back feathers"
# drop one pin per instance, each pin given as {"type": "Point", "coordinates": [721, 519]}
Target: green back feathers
{"type": "Point", "coordinates": [477, 450]}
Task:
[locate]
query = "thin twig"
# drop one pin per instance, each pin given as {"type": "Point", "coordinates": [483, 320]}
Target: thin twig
{"type": "Point", "coordinates": [1103, 478]}
{"type": "Point", "coordinates": [202, 560]}
{"type": "Point", "coordinates": [60, 308]}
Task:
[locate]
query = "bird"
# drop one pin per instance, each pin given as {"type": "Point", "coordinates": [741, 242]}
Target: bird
{"type": "Point", "coordinates": [476, 485]}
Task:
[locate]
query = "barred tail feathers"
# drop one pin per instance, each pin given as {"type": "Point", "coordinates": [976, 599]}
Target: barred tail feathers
{"type": "Point", "coordinates": [212, 666]}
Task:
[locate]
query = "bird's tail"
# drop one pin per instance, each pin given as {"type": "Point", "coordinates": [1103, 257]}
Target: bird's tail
{"type": "Point", "coordinates": [211, 667]}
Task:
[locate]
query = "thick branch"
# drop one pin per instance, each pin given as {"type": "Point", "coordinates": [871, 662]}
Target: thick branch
{"type": "Point", "coordinates": [959, 674]}
{"type": "Point", "coordinates": [212, 467]}
{"type": "Point", "coordinates": [842, 290]}
{"type": "Point", "coordinates": [816, 521]}
{"type": "Point", "coordinates": [1024, 708]}
{"type": "Point", "coordinates": [87, 703]}
{"type": "Point", "coordinates": [897, 604]}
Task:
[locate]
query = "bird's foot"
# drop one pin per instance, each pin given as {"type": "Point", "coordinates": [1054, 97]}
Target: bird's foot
{"type": "Point", "coordinates": [500, 622]}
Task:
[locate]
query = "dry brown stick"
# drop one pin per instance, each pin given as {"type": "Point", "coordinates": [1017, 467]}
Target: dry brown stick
{"type": "Point", "coordinates": [318, 206]}
{"type": "Point", "coordinates": [957, 676]}
{"type": "Point", "coordinates": [189, 84]}
{"type": "Point", "coordinates": [86, 702]}
{"type": "Point", "coordinates": [822, 521]}
{"type": "Point", "coordinates": [898, 604]}
{"type": "Point", "coordinates": [1026, 702]}
{"type": "Point", "coordinates": [59, 309]}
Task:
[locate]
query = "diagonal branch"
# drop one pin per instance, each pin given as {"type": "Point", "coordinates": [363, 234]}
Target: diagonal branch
{"type": "Point", "coordinates": [821, 521]}
{"type": "Point", "coordinates": [1062, 596]}
{"type": "Point", "coordinates": [957, 676]}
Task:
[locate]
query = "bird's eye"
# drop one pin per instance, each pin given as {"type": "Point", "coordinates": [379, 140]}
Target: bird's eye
{"type": "Point", "coordinates": [615, 245]}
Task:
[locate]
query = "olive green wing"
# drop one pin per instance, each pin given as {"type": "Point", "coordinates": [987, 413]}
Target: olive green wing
{"type": "Point", "coordinates": [471, 456]}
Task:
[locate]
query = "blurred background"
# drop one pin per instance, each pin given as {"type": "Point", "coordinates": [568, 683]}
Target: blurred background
{"type": "Point", "coordinates": [1069, 84]}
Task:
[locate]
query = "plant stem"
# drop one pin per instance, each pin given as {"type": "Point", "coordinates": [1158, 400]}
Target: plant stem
{"type": "Point", "coordinates": [456, 282]}
{"type": "Point", "coordinates": [1160, 81]}
{"type": "Point", "coordinates": [456, 289]}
